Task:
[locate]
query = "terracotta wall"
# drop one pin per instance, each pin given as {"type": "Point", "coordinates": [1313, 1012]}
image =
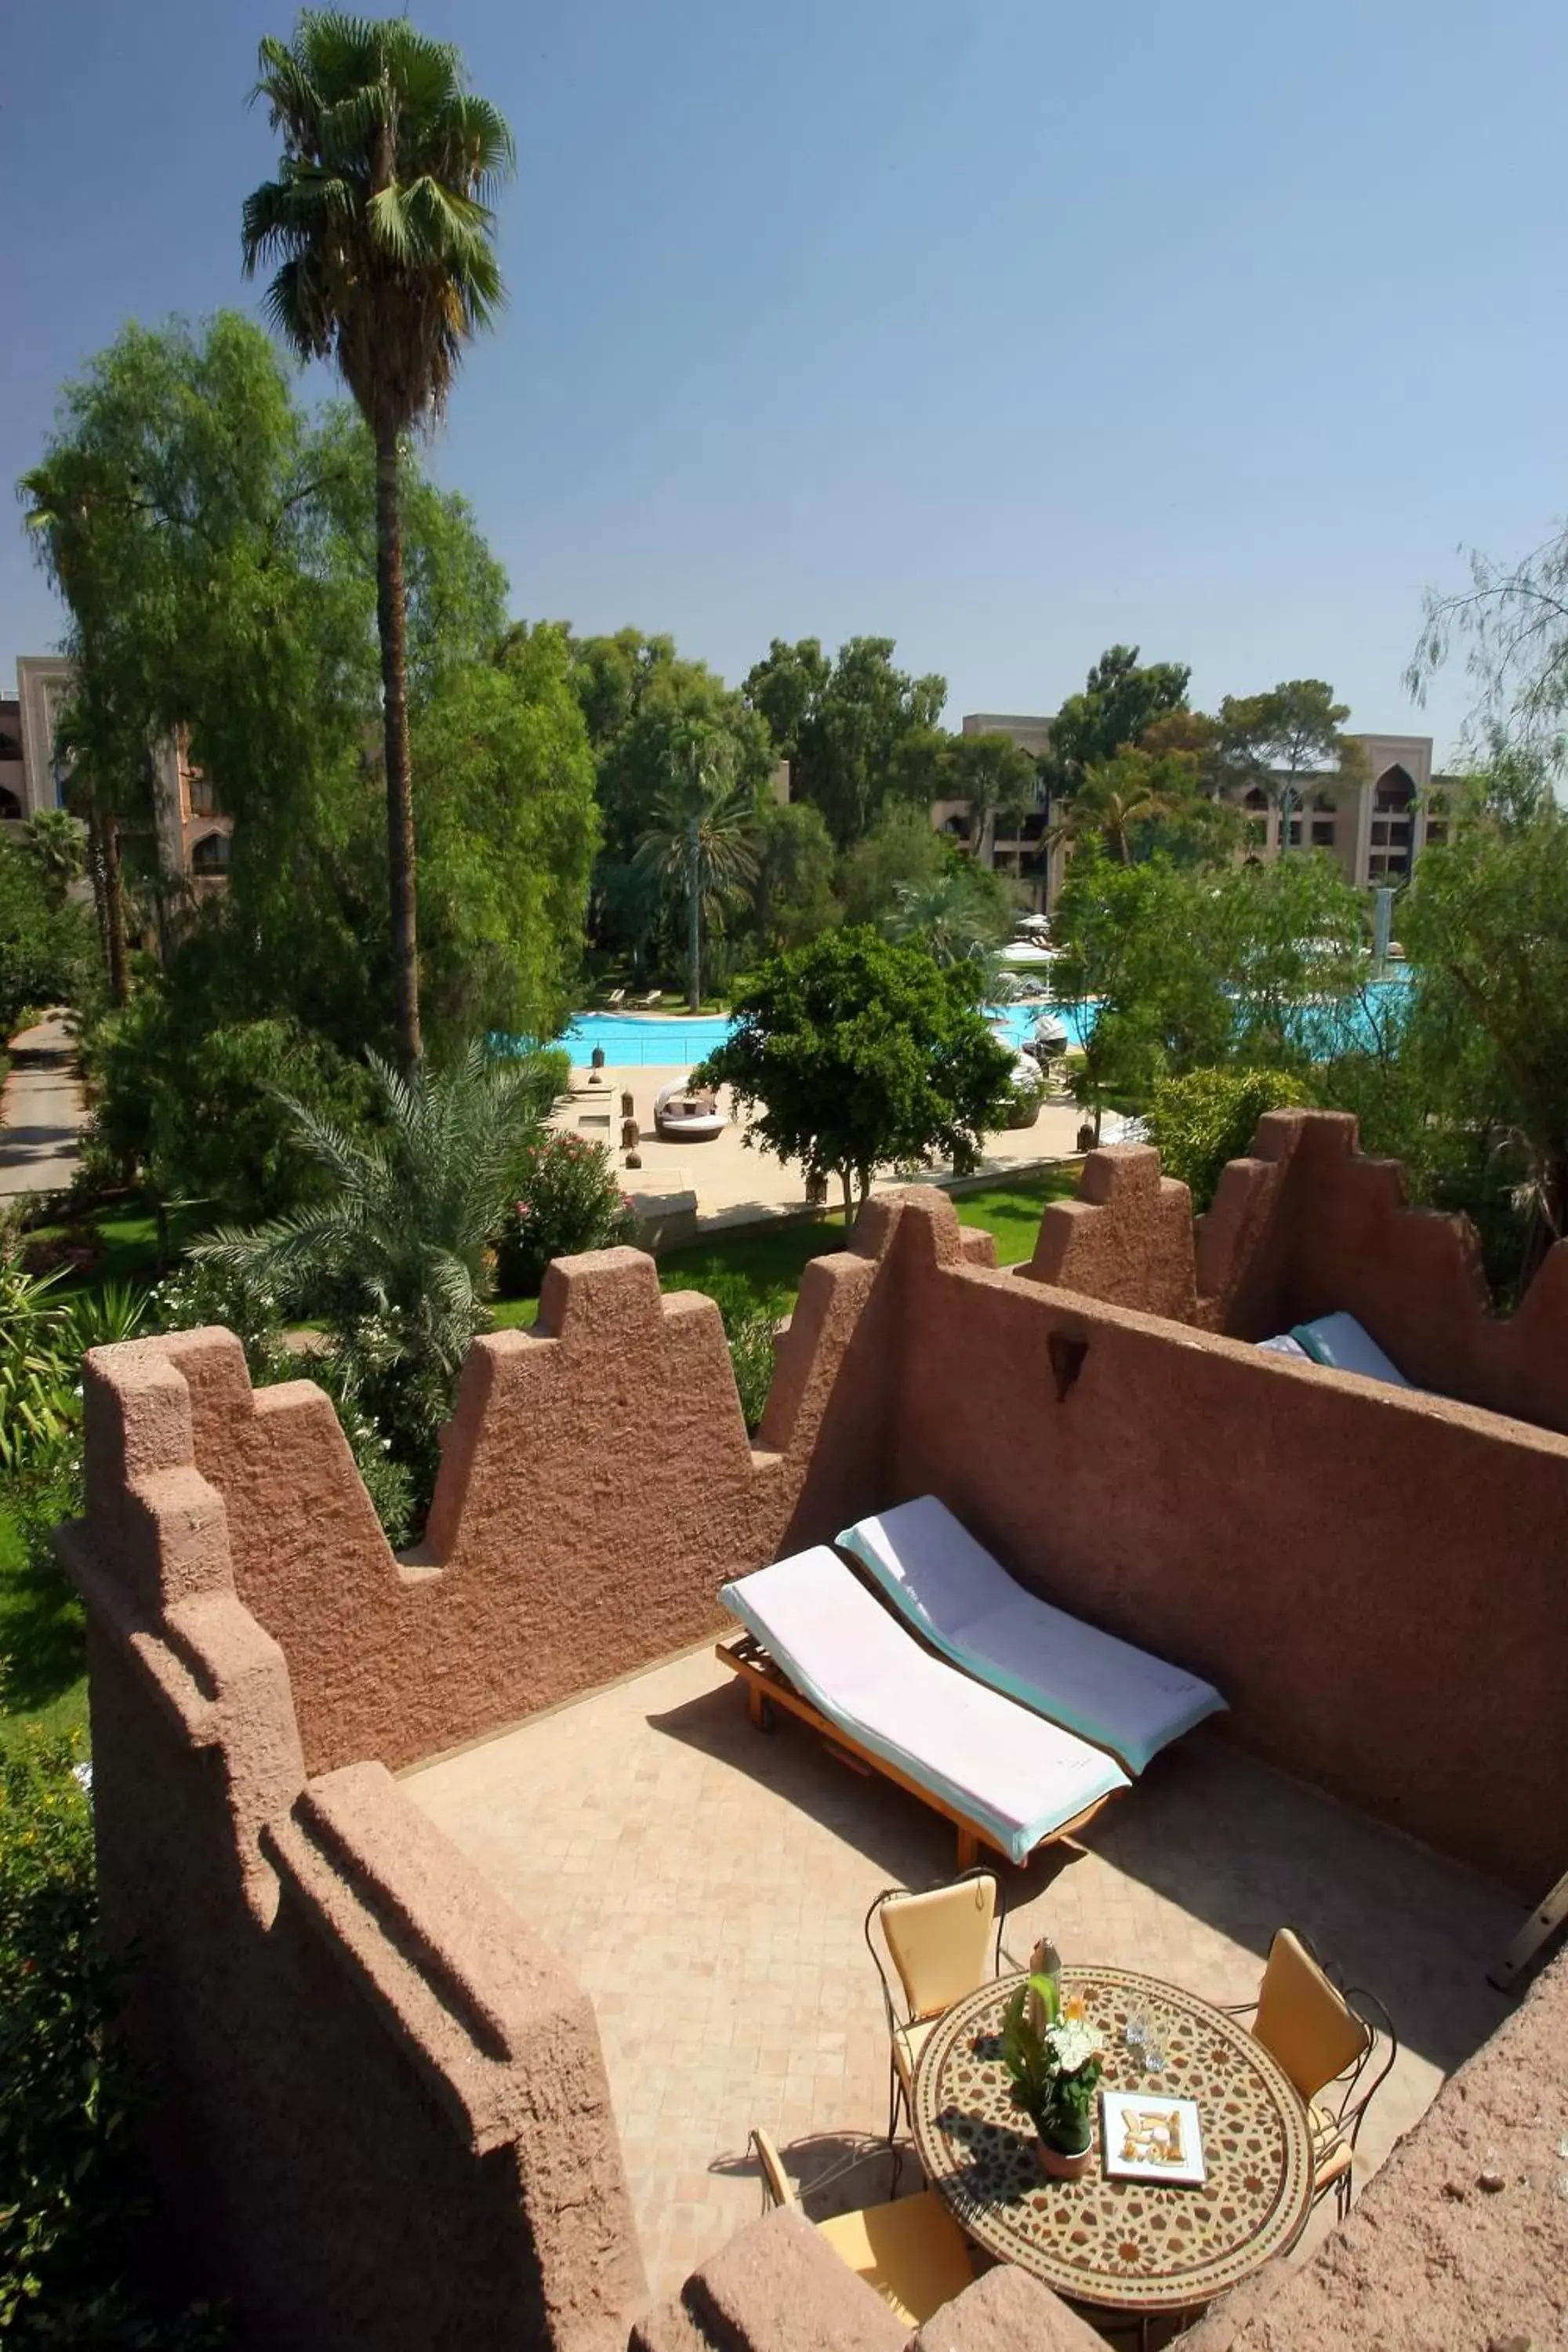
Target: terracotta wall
{"type": "Point", "coordinates": [596, 1488]}
{"type": "Point", "coordinates": [1303, 1226]}
{"type": "Point", "coordinates": [1374, 1579]}
{"type": "Point", "coordinates": [383, 2116]}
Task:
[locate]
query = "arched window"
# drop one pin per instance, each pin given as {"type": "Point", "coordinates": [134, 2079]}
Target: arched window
{"type": "Point", "coordinates": [1394, 791]}
{"type": "Point", "coordinates": [210, 854]}
{"type": "Point", "coordinates": [1256, 798]}
{"type": "Point", "coordinates": [10, 807]}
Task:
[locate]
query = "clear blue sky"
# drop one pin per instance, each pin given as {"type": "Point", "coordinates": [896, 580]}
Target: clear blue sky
{"type": "Point", "coordinates": [1005, 328]}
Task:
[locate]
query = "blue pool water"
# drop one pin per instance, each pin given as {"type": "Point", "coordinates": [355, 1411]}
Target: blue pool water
{"type": "Point", "coordinates": [678, 1041]}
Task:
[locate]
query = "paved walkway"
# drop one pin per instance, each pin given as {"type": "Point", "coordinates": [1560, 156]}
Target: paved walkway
{"type": "Point", "coordinates": [733, 1183]}
{"type": "Point", "coordinates": [708, 1883]}
{"type": "Point", "coordinates": [42, 1111]}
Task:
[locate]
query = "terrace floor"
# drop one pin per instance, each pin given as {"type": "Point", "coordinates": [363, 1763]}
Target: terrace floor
{"type": "Point", "coordinates": [708, 1884]}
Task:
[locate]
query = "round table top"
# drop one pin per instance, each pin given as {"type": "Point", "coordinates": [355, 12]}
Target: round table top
{"type": "Point", "coordinates": [1135, 2246]}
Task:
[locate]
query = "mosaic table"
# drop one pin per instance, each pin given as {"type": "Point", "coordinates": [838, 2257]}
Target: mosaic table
{"type": "Point", "coordinates": [1127, 2245]}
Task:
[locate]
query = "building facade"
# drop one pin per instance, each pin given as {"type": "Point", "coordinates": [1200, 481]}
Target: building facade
{"type": "Point", "coordinates": [1376, 822]}
{"type": "Point", "coordinates": [193, 833]}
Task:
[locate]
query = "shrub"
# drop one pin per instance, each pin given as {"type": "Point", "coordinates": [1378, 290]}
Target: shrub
{"type": "Point", "coordinates": [201, 1291]}
{"type": "Point", "coordinates": [569, 1199]}
{"type": "Point", "coordinates": [749, 1321]}
{"type": "Point", "coordinates": [1202, 1120]}
{"type": "Point", "coordinates": [73, 2207]}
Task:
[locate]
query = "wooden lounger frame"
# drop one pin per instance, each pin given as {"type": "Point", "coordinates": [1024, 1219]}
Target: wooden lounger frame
{"type": "Point", "coordinates": [767, 1686]}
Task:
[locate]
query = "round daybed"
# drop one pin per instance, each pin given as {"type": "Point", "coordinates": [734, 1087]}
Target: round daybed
{"type": "Point", "coordinates": [687, 1114]}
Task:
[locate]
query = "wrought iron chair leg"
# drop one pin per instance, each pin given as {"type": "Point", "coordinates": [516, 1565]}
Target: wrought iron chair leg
{"type": "Point", "coordinates": [895, 2095]}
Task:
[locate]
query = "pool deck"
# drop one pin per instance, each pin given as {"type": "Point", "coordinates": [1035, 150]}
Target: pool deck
{"type": "Point", "coordinates": [734, 1183]}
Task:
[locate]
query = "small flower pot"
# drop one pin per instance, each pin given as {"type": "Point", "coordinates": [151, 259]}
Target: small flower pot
{"type": "Point", "coordinates": [1065, 2164]}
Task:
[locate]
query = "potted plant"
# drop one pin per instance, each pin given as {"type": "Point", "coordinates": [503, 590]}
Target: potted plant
{"type": "Point", "coordinates": [1054, 2062]}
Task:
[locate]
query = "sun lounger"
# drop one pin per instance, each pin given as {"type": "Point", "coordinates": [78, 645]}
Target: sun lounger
{"type": "Point", "coordinates": [652, 997]}
{"type": "Point", "coordinates": [821, 1645]}
{"type": "Point", "coordinates": [966, 1603]}
{"type": "Point", "coordinates": [617, 996]}
{"type": "Point", "coordinates": [1346, 1346]}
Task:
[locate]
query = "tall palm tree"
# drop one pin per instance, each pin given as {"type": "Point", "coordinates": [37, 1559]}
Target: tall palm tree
{"type": "Point", "coordinates": [380, 225]}
{"type": "Point", "coordinates": [701, 839]}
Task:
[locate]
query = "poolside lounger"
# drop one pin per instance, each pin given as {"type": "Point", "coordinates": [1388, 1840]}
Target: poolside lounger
{"type": "Point", "coordinates": [1346, 1346]}
{"type": "Point", "coordinates": [967, 1606]}
{"type": "Point", "coordinates": [617, 996]}
{"type": "Point", "coordinates": [821, 1645]}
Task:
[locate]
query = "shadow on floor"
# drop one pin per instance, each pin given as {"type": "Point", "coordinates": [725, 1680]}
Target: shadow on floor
{"type": "Point", "coordinates": [1230, 1842]}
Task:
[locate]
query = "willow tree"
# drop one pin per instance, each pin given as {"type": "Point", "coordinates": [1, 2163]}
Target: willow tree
{"type": "Point", "coordinates": [380, 225]}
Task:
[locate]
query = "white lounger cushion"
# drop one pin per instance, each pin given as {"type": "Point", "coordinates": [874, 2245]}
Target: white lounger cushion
{"type": "Point", "coordinates": [1347, 1346]}
{"type": "Point", "coordinates": [965, 1602]}
{"type": "Point", "coordinates": [1015, 1777]}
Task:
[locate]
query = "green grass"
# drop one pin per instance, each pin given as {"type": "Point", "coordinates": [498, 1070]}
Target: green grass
{"type": "Point", "coordinates": [41, 1640]}
{"type": "Point", "coordinates": [129, 1237]}
{"type": "Point", "coordinates": [772, 1258]}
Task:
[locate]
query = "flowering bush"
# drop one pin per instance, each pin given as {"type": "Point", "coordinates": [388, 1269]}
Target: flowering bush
{"type": "Point", "coordinates": [569, 1199]}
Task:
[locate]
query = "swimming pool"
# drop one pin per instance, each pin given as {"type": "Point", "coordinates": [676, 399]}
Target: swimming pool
{"type": "Point", "coordinates": [641, 1040]}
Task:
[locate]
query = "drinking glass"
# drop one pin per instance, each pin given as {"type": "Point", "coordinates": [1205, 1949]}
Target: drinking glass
{"type": "Point", "coordinates": [1135, 2032]}
{"type": "Point", "coordinates": [1153, 2056]}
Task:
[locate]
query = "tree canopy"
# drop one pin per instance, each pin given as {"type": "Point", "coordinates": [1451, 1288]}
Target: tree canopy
{"type": "Point", "coordinates": [844, 725]}
{"type": "Point", "coordinates": [851, 1055]}
{"type": "Point", "coordinates": [1120, 700]}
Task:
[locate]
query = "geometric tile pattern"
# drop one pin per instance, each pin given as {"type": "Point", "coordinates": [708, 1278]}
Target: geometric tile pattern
{"type": "Point", "coordinates": [707, 1882]}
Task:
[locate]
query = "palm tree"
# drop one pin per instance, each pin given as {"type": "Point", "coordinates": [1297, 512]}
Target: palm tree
{"type": "Point", "coordinates": [947, 917]}
{"type": "Point", "coordinates": [379, 223]}
{"type": "Point", "coordinates": [53, 841]}
{"type": "Point", "coordinates": [1112, 801]}
{"type": "Point", "coordinates": [406, 1211]}
{"type": "Point", "coordinates": [701, 839]}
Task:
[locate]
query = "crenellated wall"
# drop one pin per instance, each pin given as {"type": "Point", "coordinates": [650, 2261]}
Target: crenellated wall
{"type": "Point", "coordinates": [383, 2116]}
{"type": "Point", "coordinates": [386, 2120]}
{"type": "Point", "coordinates": [1305, 1226]}
{"type": "Point", "coordinates": [596, 1488]}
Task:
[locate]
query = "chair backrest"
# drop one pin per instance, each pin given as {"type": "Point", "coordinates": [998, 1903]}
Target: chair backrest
{"type": "Point", "coordinates": [777, 2187]}
{"type": "Point", "coordinates": [1304, 2020]}
{"type": "Point", "coordinates": [939, 1941]}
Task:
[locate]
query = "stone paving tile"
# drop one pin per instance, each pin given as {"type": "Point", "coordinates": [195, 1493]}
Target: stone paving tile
{"type": "Point", "coordinates": [708, 1884]}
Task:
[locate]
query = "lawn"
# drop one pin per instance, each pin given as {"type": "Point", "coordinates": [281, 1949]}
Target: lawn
{"type": "Point", "coordinates": [41, 1638]}
{"type": "Point", "coordinates": [770, 1259]}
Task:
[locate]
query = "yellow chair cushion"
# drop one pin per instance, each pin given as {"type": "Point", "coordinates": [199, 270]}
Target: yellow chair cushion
{"type": "Point", "coordinates": [939, 1941]}
{"type": "Point", "coordinates": [1302, 2019]}
{"type": "Point", "coordinates": [912, 2252]}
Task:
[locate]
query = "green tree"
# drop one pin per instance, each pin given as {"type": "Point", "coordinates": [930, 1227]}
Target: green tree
{"type": "Point", "coordinates": [955, 917]}
{"type": "Point", "coordinates": [1119, 799]}
{"type": "Point", "coordinates": [1513, 620]}
{"type": "Point", "coordinates": [792, 897]}
{"type": "Point", "coordinates": [48, 954]}
{"type": "Point", "coordinates": [379, 223]}
{"type": "Point", "coordinates": [1120, 700]}
{"type": "Point", "coordinates": [901, 850]}
{"type": "Point", "coordinates": [699, 840]}
{"type": "Point", "coordinates": [1275, 742]}
{"type": "Point", "coordinates": [393, 1248]}
{"type": "Point", "coordinates": [54, 842]}
{"type": "Point", "coordinates": [852, 1053]}
{"type": "Point", "coordinates": [846, 725]}
{"type": "Point", "coordinates": [1488, 928]}
{"type": "Point", "coordinates": [998, 779]}
{"type": "Point", "coordinates": [507, 826]}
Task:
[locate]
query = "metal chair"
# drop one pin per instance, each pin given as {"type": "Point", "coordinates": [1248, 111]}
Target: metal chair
{"type": "Point", "coordinates": [911, 2252]}
{"type": "Point", "coordinates": [938, 1942]}
{"type": "Point", "coordinates": [1327, 2037]}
